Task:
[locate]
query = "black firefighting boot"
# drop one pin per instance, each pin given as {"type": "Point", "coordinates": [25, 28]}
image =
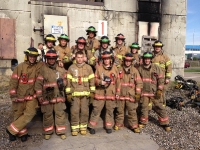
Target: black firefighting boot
{"type": "Point", "coordinates": [108, 131]}
{"type": "Point", "coordinates": [92, 131]}
{"type": "Point", "coordinates": [11, 137]}
{"type": "Point", "coordinates": [24, 137]}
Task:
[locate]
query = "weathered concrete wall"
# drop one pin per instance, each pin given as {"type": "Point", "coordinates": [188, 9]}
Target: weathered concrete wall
{"type": "Point", "coordinates": [83, 16]}
{"type": "Point", "coordinates": [121, 17]}
{"type": "Point", "coordinates": [173, 31]}
{"type": "Point", "coordinates": [121, 5]}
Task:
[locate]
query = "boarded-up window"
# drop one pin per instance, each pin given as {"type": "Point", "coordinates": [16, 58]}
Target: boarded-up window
{"type": "Point", "coordinates": [7, 38]}
{"type": "Point", "coordinates": [149, 11]}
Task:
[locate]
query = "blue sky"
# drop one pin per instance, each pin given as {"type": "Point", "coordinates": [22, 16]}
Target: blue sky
{"type": "Point", "coordinates": [193, 22]}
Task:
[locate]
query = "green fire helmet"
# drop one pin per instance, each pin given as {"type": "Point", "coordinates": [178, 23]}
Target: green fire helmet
{"type": "Point", "coordinates": [63, 36]}
{"type": "Point", "coordinates": [135, 45]}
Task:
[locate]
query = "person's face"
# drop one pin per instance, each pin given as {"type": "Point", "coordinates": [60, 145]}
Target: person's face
{"type": "Point", "coordinates": [119, 41]}
{"type": "Point", "coordinates": [104, 45]}
{"type": "Point", "coordinates": [49, 44]}
{"type": "Point", "coordinates": [128, 63]}
{"type": "Point", "coordinates": [147, 61]}
{"type": "Point", "coordinates": [157, 49]}
{"type": "Point", "coordinates": [63, 42]}
{"type": "Point", "coordinates": [134, 50]}
{"type": "Point", "coordinates": [81, 46]}
{"type": "Point", "coordinates": [51, 61]}
{"type": "Point", "coordinates": [106, 61]}
{"type": "Point", "coordinates": [91, 35]}
{"type": "Point", "coordinates": [79, 59]}
{"type": "Point", "coordinates": [40, 47]}
{"type": "Point", "coordinates": [32, 59]}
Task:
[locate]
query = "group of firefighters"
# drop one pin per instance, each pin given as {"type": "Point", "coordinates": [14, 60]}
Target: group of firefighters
{"type": "Point", "coordinates": [89, 73]}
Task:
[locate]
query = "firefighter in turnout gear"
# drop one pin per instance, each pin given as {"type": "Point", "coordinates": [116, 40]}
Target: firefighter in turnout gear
{"type": "Point", "coordinates": [153, 84]}
{"type": "Point", "coordinates": [49, 89]}
{"type": "Point", "coordinates": [22, 94]}
{"type": "Point", "coordinates": [81, 46]}
{"type": "Point", "coordinates": [80, 86]}
{"type": "Point", "coordinates": [164, 62]}
{"type": "Point", "coordinates": [97, 59]}
{"type": "Point", "coordinates": [107, 91]}
{"type": "Point", "coordinates": [131, 85]}
{"type": "Point", "coordinates": [50, 41]}
{"type": "Point", "coordinates": [92, 43]}
{"type": "Point", "coordinates": [120, 48]}
{"type": "Point", "coordinates": [63, 50]}
{"type": "Point", "coordinates": [134, 50]}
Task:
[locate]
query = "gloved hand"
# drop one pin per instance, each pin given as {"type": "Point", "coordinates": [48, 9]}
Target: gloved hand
{"type": "Point", "coordinates": [65, 59]}
{"type": "Point", "coordinates": [40, 99]}
{"type": "Point", "coordinates": [92, 95]}
{"type": "Point", "coordinates": [60, 64]}
{"type": "Point", "coordinates": [158, 94]}
{"type": "Point", "coordinates": [69, 98]}
{"type": "Point", "coordinates": [14, 99]}
{"type": "Point", "coordinates": [91, 98]}
{"type": "Point", "coordinates": [137, 97]}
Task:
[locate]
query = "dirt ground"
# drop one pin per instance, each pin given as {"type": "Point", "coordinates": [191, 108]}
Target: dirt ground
{"type": "Point", "coordinates": [185, 125]}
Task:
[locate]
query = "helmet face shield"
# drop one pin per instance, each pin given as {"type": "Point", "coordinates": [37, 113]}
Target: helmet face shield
{"type": "Point", "coordinates": [51, 54]}
{"type": "Point", "coordinates": [81, 40]}
{"type": "Point", "coordinates": [64, 36]}
{"type": "Point", "coordinates": [106, 56]}
{"type": "Point", "coordinates": [31, 52]}
{"type": "Point", "coordinates": [134, 46]}
{"type": "Point", "coordinates": [104, 39]}
{"type": "Point", "coordinates": [158, 44]}
{"type": "Point", "coordinates": [120, 36]}
{"type": "Point", "coordinates": [147, 55]}
{"type": "Point", "coordinates": [91, 29]}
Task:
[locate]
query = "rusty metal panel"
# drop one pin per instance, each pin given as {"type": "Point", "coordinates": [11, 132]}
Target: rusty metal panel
{"type": "Point", "coordinates": [7, 38]}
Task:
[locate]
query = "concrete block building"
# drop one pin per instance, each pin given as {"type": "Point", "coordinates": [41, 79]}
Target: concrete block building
{"type": "Point", "coordinates": [24, 23]}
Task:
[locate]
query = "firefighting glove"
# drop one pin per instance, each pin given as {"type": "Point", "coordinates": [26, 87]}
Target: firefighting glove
{"type": "Point", "coordinates": [137, 97]}
{"type": "Point", "coordinates": [41, 100]}
{"type": "Point", "coordinates": [158, 94]}
{"type": "Point", "coordinates": [69, 98]}
{"type": "Point", "coordinates": [14, 99]}
{"type": "Point", "coordinates": [50, 96]}
{"type": "Point", "coordinates": [65, 59]}
{"type": "Point", "coordinates": [92, 95]}
{"type": "Point", "coordinates": [91, 98]}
